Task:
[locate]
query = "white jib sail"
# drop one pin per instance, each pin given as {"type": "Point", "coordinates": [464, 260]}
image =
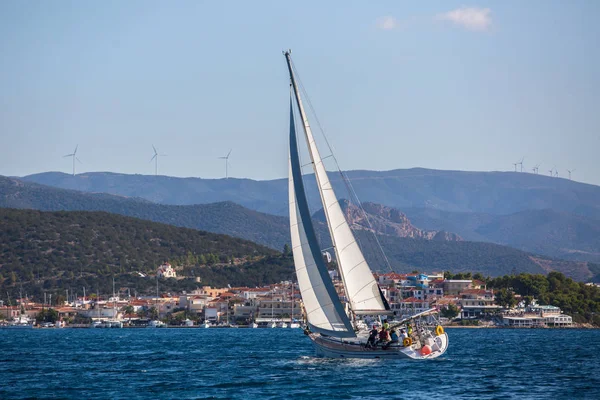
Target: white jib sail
{"type": "Point", "coordinates": [319, 305]}
{"type": "Point", "coordinates": [361, 289]}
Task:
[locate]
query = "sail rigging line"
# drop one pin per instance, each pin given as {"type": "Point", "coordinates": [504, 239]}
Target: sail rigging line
{"type": "Point", "coordinates": [353, 277]}
{"type": "Point", "coordinates": [304, 177]}
{"type": "Point", "coordinates": [326, 313]}
{"type": "Point", "coordinates": [346, 181]}
{"type": "Point", "coordinates": [295, 77]}
{"type": "Point", "coordinates": [361, 208]}
{"type": "Point", "coordinates": [312, 109]}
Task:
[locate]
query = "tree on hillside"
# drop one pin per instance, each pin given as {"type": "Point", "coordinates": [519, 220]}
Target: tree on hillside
{"type": "Point", "coordinates": [47, 315]}
{"type": "Point", "coordinates": [450, 312]}
{"type": "Point", "coordinates": [505, 298]}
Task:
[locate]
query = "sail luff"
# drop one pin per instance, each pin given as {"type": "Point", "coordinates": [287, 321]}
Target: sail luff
{"type": "Point", "coordinates": [361, 289]}
{"type": "Point", "coordinates": [324, 310]}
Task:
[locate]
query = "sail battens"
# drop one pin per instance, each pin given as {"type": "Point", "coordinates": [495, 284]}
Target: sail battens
{"type": "Point", "coordinates": [320, 308]}
{"type": "Point", "coordinates": [341, 234]}
{"type": "Point", "coordinates": [363, 288]}
{"type": "Point", "coordinates": [332, 204]}
{"type": "Point", "coordinates": [324, 310]}
{"type": "Point", "coordinates": [349, 244]}
{"type": "Point", "coordinates": [340, 226]}
{"type": "Point", "coordinates": [299, 245]}
{"type": "Point", "coordinates": [352, 269]}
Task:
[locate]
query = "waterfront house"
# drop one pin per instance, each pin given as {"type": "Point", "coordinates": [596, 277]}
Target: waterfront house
{"type": "Point", "coordinates": [410, 306]}
{"type": "Point", "coordinates": [455, 286]}
{"type": "Point", "coordinates": [476, 303]}
{"type": "Point", "coordinates": [419, 281]}
{"type": "Point", "coordinates": [531, 321]}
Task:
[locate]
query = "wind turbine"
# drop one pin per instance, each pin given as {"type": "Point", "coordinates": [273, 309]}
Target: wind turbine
{"type": "Point", "coordinates": [515, 164]}
{"type": "Point", "coordinates": [521, 162]}
{"type": "Point", "coordinates": [226, 158]}
{"type": "Point", "coordinates": [569, 171]}
{"type": "Point", "coordinates": [536, 169]}
{"type": "Point", "coordinates": [551, 171]}
{"type": "Point", "coordinates": [74, 156]}
{"type": "Point", "coordinates": [155, 158]}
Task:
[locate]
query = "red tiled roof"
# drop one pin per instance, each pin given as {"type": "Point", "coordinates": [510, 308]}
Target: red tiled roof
{"type": "Point", "coordinates": [412, 300]}
{"type": "Point", "coordinates": [474, 291]}
{"type": "Point", "coordinates": [394, 275]}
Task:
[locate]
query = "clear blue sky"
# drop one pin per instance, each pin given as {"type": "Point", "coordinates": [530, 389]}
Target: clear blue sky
{"type": "Point", "coordinates": [445, 85]}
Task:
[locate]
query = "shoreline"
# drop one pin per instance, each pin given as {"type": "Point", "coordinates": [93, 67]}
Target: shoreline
{"type": "Point", "coordinates": [517, 327]}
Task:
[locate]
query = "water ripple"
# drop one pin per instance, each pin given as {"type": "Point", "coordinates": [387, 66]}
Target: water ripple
{"type": "Point", "coordinates": [279, 363]}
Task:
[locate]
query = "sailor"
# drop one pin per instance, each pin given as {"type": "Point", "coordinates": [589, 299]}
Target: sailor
{"type": "Point", "coordinates": [372, 337]}
{"type": "Point", "coordinates": [386, 326]}
{"type": "Point", "coordinates": [394, 337]}
{"type": "Point", "coordinates": [384, 336]}
{"type": "Point", "coordinates": [403, 335]}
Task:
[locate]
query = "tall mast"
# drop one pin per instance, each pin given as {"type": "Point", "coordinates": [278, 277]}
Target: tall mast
{"type": "Point", "coordinates": [307, 131]}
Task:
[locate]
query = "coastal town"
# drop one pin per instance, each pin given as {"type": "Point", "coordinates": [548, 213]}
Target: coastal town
{"type": "Point", "coordinates": [461, 302]}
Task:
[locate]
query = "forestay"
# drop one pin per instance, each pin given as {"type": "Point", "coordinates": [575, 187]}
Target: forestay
{"type": "Point", "coordinates": [361, 289]}
{"type": "Point", "coordinates": [324, 310]}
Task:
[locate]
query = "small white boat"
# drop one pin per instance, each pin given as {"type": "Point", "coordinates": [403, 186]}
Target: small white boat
{"type": "Point", "coordinates": [188, 322]}
{"type": "Point", "coordinates": [294, 325]}
{"type": "Point", "coordinates": [114, 323]}
{"type": "Point", "coordinates": [206, 324]}
{"type": "Point", "coordinates": [21, 322]}
{"type": "Point", "coordinates": [283, 325]}
{"type": "Point", "coordinates": [273, 325]}
{"type": "Point", "coordinates": [156, 324]}
{"type": "Point", "coordinates": [110, 323]}
{"type": "Point", "coordinates": [253, 325]}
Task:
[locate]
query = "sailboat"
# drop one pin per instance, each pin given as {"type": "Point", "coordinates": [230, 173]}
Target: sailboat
{"type": "Point", "coordinates": [332, 326]}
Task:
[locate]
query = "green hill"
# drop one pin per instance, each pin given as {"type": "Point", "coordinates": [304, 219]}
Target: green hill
{"type": "Point", "coordinates": [61, 250]}
{"type": "Point", "coordinates": [224, 217]}
{"type": "Point", "coordinates": [273, 231]}
{"type": "Point", "coordinates": [552, 216]}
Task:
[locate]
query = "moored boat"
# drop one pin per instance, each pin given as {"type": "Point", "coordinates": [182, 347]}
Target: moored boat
{"type": "Point", "coordinates": [21, 322]}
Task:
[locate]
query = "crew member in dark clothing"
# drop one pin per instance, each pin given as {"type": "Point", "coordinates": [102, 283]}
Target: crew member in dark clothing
{"type": "Point", "coordinates": [372, 337]}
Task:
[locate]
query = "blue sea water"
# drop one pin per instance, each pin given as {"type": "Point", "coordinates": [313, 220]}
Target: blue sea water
{"type": "Point", "coordinates": [279, 363]}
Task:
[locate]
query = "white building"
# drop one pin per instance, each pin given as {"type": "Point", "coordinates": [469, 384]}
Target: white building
{"type": "Point", "coordinates": [410, 306]}
{"type": "Point", "coordinates": [166, 271]}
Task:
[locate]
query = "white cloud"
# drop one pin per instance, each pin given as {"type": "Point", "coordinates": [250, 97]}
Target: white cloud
{"type": "Point", "coordinates": [472, 18]}
{"type": "Point", "coordinates": [387, 23]}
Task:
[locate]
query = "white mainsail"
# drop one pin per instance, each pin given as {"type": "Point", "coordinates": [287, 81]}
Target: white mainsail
{"type": "Point", "coordinates": [361, 289]}
{"type": "Point", "coordinates": [324, 310]}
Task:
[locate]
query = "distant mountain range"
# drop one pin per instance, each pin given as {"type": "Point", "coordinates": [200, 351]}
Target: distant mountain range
{"type": "Point", "coordinates": [407, 246]}
{"type": "Point", "coordinates": [550, 232]}
{"type": "Point", "coordinates": [535, 213]}
{"type": "Point", "coordinates": [497, 193]}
